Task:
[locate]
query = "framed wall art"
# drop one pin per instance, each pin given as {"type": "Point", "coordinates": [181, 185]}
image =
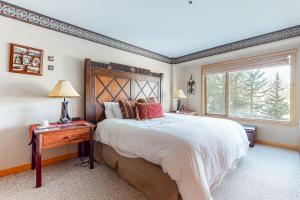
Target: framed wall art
{"type": "Point", "coordinates": [26, 60]}
{"type": "Point", "coordinates": [191, 86]}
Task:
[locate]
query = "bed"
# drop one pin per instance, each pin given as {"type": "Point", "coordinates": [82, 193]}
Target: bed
{"type": "Point", "coordinates": [173, 157]}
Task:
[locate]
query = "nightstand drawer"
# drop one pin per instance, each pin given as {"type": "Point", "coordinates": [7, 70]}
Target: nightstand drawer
{"type": "Point", "coordinates": [65, 137]}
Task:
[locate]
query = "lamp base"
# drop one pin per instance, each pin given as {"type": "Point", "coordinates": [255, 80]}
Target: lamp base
{"type": "Point", "coordinates": [65, 117]}
{"type": "Point", "coordinates": [179, 107]}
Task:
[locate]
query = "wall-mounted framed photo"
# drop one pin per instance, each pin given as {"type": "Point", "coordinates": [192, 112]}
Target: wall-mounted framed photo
{"type": "Point", "coordinates": [26, 60]}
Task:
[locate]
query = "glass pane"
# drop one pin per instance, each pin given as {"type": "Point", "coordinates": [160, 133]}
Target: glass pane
{"type": "Point", "coordinates": [260, 93]}
{"type": "Point", "coordinates": [215, 93]}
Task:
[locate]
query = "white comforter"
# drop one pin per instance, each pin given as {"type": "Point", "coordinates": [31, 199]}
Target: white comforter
{"type": "Point", "coordinates": [196, 152]}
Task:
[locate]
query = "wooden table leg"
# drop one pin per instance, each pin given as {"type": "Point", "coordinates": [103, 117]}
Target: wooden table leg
{"type": "Point", "coordinates": [33, 149]}
{"type": "Point", "coordinates": [91, 149]}
{"type": "Point", "coordinates": [38, 170]}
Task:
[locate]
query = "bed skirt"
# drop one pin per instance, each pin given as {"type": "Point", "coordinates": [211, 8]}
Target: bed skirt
{"type": "Point", "coordinates": [141, 174]}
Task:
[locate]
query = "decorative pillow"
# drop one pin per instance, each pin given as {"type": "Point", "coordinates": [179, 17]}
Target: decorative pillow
{"type": "Point", "coordinates": [149, 110]}
{"type": "Point", "coordinates": [127, 109]}
{"type": "Point", "coordinates": [108, 109]}
{"type": "Point", "coordinates": [141, 100]}
{"type": "Point", "coordinates": [152, 99]}
{"type": "Point", "coordinates": [147, 100]}
{"type": "Point", "coordinates": [117, 110]}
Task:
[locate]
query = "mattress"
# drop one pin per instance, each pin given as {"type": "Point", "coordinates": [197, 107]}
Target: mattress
{"type": "Point", "coordinates": [196, 152]}
{"type": "Point", "coordinates": [143, 175]}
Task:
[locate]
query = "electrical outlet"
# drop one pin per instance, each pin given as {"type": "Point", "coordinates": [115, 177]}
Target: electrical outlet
{"type": "Point", "coordinates": [51, 58]}
{"type": "Point", "coordinates": [51, 67]}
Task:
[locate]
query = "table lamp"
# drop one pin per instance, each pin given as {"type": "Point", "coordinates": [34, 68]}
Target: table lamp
{"type": "Point", "coordinates": [179, 95]}
{"type": "Point", "coordinates": [64, 89]}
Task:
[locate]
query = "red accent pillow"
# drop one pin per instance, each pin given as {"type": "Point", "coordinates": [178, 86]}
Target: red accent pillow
{"type": "Point", "coordinates": [147, 100]}
{"type": "Point", "coordinates": [149, 110]}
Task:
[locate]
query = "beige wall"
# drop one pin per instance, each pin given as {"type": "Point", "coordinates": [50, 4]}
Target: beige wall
{"type": "Point", "coordinates": [266, 132]}
{"type": "Point", "coordinates": [23, 97]}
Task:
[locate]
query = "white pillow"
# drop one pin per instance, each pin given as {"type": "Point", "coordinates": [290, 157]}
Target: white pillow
{"type": "Point", "coordinates": [117, 110]}
{"type": "Point", "coordinates": [108, 109]}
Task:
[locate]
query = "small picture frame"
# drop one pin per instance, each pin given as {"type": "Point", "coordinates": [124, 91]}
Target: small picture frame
{"type": "Point", "coordinates": [26, 60]}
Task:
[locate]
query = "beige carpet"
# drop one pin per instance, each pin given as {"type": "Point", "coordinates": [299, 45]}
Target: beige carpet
{"type": "Point", "coordinates": [265, 174]}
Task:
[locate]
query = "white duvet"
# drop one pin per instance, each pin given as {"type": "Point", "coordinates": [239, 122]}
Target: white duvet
{"type": "Point", "coordinates": [196, 152]}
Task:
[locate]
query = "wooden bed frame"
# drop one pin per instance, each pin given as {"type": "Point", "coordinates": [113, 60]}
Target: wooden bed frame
{"type": "Point", "coordinates": [112, 82]}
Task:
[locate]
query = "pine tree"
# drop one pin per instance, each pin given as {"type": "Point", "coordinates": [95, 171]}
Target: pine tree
{"type": "Point", "coordinates": [237, 100]}
{"type": "Point", "coordinates": [215, 93]}
{"type": "Point", "coordinates": [276, 106]}
{"type": "Point", "coordinates": [253, 90]}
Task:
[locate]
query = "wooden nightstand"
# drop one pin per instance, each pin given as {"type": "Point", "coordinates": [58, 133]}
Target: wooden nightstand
{"type": "Point", "coordinates": [58, 135]}
{"type": "Point", "coordinates": [186, 113]}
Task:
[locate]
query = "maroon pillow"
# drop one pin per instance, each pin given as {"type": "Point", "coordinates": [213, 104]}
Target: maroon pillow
{"type": "Point", "coordinates": [141, 100]}
{"type": "Point", "coordinates": [152, 100]}
{"type": "Point", "coordinates": [149, 110]}
{"type": "Point", "coordinates": [147, 100]}
{"type": "Point", "coordinates": [127, 109]}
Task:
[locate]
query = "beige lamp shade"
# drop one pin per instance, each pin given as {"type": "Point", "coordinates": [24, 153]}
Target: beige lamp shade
{"type": "Point", "coordinates": [180, 94]}
{"type": "Point", "coordinates": [63, 89]}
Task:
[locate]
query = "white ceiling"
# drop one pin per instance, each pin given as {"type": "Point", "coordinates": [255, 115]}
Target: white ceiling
{"type": "Point", "coordinates": [173, 27]}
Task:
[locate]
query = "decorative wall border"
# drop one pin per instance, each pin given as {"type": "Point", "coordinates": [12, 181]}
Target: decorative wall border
{"type": "Point", "coordinates": [242, 44]}
{"type": "Point", "coordinates": [31, 17]}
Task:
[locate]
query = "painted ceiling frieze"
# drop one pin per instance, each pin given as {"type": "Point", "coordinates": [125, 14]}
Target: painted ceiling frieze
{"type": "Point", "coordinates": [27, 16]}
{"type": "Point", "coordinates": [254, 41]}
{"type": "Point", "coordinates": [24, 15]}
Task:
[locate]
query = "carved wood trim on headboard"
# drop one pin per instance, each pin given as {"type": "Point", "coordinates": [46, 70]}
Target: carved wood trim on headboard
{"type": "Point", "coordinates": [112, 82]}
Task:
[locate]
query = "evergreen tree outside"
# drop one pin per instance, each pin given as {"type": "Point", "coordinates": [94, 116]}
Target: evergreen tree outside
{"type": "Point", "coordinates": [236, 89]}
{"type": "Point", "coordinates": [247, 91]}
{"type": "Point", "coordinates": [215, 93]}
{"type": "Point", "coordinates": [257, 93]}
{"type": "Point", "coordinates": [276, 104]}
{"type": "Point", "coordinates": [254, 91]}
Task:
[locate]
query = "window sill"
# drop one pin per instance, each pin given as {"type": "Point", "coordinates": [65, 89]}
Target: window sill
{"type": "Point", "coordinates": [258, 121]}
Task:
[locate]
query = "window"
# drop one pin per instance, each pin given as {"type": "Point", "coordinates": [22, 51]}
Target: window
{"type": "Point", "coordinates": [215, 93]}
{"type": "Point", "coordinates": [260, 88]}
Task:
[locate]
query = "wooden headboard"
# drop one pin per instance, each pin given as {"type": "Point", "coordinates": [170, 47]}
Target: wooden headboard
{"type": "Point", "coordinates": [112, 82]}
